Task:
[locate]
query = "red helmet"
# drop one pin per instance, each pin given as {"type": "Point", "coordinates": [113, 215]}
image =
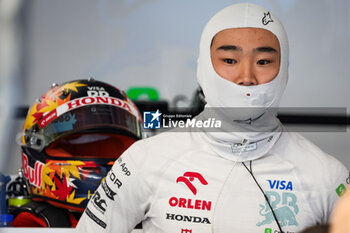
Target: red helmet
{"type": "Point", "coordinates": [72, 136]}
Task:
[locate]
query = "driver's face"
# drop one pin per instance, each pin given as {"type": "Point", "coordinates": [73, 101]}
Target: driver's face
{"type": "Point", "coordinates": [246, 56]}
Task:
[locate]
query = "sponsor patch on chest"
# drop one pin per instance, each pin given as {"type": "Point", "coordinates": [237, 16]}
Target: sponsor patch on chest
{"type": "Point", "coordinates": [281, 185]}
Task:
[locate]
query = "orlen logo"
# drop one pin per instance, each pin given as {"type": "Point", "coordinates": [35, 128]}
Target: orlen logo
{"type": "Point", "coordinates": [32, 174]}
{"type": "Point", "coordinates": [188, 177]}
{"type": "Point", "coordinates": [189, 203]}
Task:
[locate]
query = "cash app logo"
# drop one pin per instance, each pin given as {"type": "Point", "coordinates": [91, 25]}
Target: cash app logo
{"type": "Point", "coordinates": [268, 230]}
{"type": "Point", "coordinates": [340, 190]}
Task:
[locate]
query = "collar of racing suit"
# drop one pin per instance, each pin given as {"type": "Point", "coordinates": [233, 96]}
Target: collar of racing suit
{"type": "Point", "coordinates": [250, 127]}
{"type": "Point", "coordinates": [241, 141]}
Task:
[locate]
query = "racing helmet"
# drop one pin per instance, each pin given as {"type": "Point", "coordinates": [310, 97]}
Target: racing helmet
{"type": "Point", "coordinates": [71, 137]}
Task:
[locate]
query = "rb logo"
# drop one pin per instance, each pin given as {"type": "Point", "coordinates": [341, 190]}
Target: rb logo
{"type": "Point", "coordinates": [151, 120]}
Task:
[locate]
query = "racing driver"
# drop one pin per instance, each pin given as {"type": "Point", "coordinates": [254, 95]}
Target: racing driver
{"type": "Point", "coordinates": [251, 176]}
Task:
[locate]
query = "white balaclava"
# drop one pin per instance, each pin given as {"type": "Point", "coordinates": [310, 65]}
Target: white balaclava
{"type": "Point", "coordinates": [254, 101]}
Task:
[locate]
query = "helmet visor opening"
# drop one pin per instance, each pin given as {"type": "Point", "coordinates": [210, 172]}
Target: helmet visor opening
{"type": "Point", "coordinates": [92, 118]}
{"type": "Point", "coordinates": [91, 145]}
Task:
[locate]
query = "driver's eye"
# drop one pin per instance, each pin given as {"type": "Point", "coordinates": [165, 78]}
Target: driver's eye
{"type": "Point", "coordinates": [229, 61]}
{"type": "Point", "coordinates": [263, 62]}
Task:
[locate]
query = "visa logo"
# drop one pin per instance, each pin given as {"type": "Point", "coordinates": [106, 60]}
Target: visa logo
{"type": "Point", "coordinates": [281, 184]}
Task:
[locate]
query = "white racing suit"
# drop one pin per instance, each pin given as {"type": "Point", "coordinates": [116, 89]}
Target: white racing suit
{"type": "Point", "coordinates": [190, 183]}
{"type": "Point", "coordinates": [175, 183]}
